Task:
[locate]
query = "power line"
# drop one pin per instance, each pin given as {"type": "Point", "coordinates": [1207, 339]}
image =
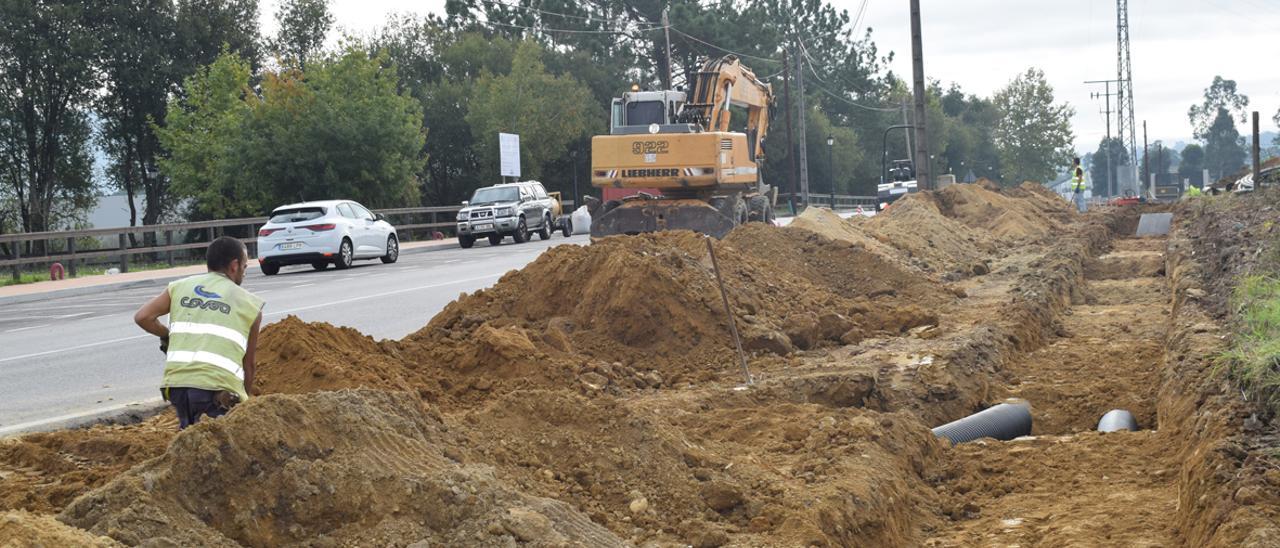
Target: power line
{"type": "Point", "coordinates": [852, 102]}
{"type": "Point", "coordinates": [813, 62]}
{"type": "Point", "coordinates": [570, 31]}
{"type": "Point", "coordinates": [726, 50]}
{"type": "Point", "coordinates": [558, 14]}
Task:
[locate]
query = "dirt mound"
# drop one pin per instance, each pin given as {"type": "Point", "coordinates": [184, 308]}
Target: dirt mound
{"type": "Point", "coordinates": [357, 467]}
{"type": "Point", "coordinates": [23, 529]}
{"type": "Point", "coordinates": [296, 357]}
{"type": "Point", "coordinates": [1005, 217]}
{"type": "Point", "coordinates": [44, 472]}
{"type": "Point", "coordinates": [825, 222]}
{"type": "Point", "coordinates": [933, 241]}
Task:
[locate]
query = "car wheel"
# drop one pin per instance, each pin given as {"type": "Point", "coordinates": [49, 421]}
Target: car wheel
{"type": "Point", "coordinates": [522, 232]}
{"type": "Point", "coordinates": [566, 227]}
{"type": "Point", "coordinates": [345, 255]}
{"type": "Point", "coordinates": [270, 269]}
{"type": "Point", "coordinates": [495, 239]}
{"type": "Point", "coordinates": [320, 265]}
{"type": "Point", "coordinates": [545, 231]}
{"type": "Point", "coordinates": [393, 251]}
{"type": "Point", "coordinates": [466, 241]}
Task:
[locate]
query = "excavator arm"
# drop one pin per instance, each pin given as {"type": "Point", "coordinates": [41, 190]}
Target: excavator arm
{"type": "Point", "coordinates": [726, 82]}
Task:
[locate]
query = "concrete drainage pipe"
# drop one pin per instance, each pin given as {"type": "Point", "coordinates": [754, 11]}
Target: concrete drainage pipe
{"type": "Point", "coordinates": [1116, 420]}
{"type": "Point", "coordinates": [1003, 422]}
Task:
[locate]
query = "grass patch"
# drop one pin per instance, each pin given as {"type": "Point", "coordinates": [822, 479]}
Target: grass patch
{"type": "Point", "coordinates": [33, 276]}
{"type": "Point", "coordinates": [1253, 361]}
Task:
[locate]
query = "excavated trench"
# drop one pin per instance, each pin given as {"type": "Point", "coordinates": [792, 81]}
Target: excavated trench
{"type": "Point", "coordinates": [509, 420]}
{"type": "Point", "coordinates": [1067, 484]}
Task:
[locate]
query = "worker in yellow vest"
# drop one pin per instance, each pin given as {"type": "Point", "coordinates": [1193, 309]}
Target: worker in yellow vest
{"type": "Point", "coordinates": [1078, 186]}
{"type": "Point", "coordinates": [212, 335]}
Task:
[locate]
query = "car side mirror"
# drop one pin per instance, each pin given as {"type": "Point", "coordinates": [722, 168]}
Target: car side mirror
{"type": "Point", "coordinates": [465, 203]}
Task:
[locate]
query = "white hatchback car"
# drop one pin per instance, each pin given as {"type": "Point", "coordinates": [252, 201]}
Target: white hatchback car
{"type": "Point", "coordinates": [334, 232]}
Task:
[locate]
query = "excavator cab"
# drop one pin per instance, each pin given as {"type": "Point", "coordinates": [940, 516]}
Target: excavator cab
{"type": "Point", "coordinates": [637, 112]}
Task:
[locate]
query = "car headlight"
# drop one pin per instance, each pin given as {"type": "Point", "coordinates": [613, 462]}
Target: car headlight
{"type": "Point", "coordinates": [504, 212]}
{"type": "Point", "coordinates": [462, 215]}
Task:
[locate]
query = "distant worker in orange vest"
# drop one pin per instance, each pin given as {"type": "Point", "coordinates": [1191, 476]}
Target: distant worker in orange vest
{"type": "Point", "coordinates": [1078, 186]}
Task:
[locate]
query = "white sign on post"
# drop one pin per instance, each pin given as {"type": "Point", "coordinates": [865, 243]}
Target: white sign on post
{"type": "Point", "coordinates": [509, 147]}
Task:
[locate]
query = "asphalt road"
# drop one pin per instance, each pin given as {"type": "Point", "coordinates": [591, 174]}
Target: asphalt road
{"type": "Point", "coordinates": [76, 356]}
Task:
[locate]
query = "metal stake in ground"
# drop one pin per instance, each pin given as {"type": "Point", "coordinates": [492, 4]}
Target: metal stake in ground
{"type": "Point", "coordinates": [733, 323]}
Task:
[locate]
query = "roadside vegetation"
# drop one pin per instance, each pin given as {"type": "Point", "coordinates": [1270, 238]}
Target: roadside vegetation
{"type": "Point", "coordinates": [33, 276]}
{"type": "Point", "coordinates": [1253, 361]}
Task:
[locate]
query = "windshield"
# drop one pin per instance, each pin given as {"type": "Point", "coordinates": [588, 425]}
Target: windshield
{"type": "Point", "coordinates": [643, 113]}
{"type": "Point", "coordinates": [493, 195]}
{"type": "Point", "coordinates": [297, 214]}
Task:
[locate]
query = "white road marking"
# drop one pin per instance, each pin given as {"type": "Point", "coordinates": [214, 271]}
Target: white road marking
{"type": "Point", "coordinates": [77, 347]}
{"type": "Point", "coordinates": [26, 328]}
{"type": "Point", "coordinates": [302, 285]}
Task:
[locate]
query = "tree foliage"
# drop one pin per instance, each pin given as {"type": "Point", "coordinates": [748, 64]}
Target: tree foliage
{"type": "Point", "coordinates": [1221, 96]}
{"type": "Point", "coordinates": [47, 78]}
{"type": "Point", "coordinates": [343, 131]}
{"type": "Point", "coordinates": [304, 25]}
{"type": "Point", "coordinates": [1224, 151]}
{"type": "Point", "coordinates": [1098, 167]}
{"type": "Point", "coordinates": [1192, 161]}
{"type": "Point", "coordinates": [1033, 135]}
{"type": "Point", "coordinates": [546, 110]}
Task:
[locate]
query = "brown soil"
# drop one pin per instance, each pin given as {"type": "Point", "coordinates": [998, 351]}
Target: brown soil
{"type": "Point", "coordinates": [593, 398]}
{"type": "Point", "coordinates": [24, 529]}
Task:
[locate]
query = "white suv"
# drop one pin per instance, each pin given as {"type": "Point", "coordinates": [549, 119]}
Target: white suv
{"type": "Point", "coordinates": [320, 233]}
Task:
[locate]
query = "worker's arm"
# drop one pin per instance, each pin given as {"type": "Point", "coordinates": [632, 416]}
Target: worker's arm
{"type": "Point", "coordinates": [250, 355]}
{"type": "Point", "coordinates": [148, 317]}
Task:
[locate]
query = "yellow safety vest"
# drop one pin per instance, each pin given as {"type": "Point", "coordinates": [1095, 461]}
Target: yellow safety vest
{"type": "Point", "coordinates": [209, 322]}
{"type": "Point", "coordinates": [1077, 179]}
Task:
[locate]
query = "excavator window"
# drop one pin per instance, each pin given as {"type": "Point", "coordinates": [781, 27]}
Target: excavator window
{"type": "Point", "coordinates": [643, 113]}
{"type": "Point", "coordinates": [617, 120]}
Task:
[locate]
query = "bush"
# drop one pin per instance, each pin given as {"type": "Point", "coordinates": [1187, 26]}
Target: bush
{"type": "Point", "coordinates": [1253, 360]}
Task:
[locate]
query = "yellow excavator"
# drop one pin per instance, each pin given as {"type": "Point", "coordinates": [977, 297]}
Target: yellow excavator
{"type": "Point", "coordinates": [707, 176]}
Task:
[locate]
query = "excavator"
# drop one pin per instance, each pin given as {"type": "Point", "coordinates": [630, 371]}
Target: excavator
{"type": "Point", "coordinates": [708, 176]}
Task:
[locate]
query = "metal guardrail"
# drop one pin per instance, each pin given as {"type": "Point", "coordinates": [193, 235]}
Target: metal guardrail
{"type": "Point", "coordinates": [842, 200]}
{"type": "Point", "coordinates": [70, 256]}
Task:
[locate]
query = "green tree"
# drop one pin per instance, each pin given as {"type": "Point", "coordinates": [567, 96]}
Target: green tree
{"type": "Point", "coordinates": [47, 80]}
{"type": "Point", "coordinates": [1192, 163]}
{"type": "Point", "coordinates": [1221, 96]}
{"type": "Point", "coordinates": [547, 111]}
{"type": "Point", "coordinates": [304, 24]}
{"type": "Point", "coordinates": [1033, 134]}
{"type": "Point", "coordinates": [138, 68]}
{"type": "Point", "coordinates": [204, 27]}
{"type": "Point", "coordinates": [1098, 167]}
{"type": "Point", "coordinates": [200, 141]}
{"type": "Point", "coordinates": [1224, 151]}
{"type": "Point", "coordinates": [342, 131]}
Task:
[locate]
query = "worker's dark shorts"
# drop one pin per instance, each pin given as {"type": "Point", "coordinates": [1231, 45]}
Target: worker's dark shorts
{"type": "Point", "coordinates": [190, 403]}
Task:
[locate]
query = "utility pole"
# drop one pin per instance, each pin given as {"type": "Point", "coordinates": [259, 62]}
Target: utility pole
{"type": "Point", "coordinates": [804, 149]}
{"type": "Point", "coordinates": [1111, 183]}
{"type": "Point", "coordinates": [1146, 161]}
{"type": "Point", "coordinates": [666, 30]}
{"type": "Point", "coordinates": [1257, 154]}
{"type": "Point", "coordinates": [923, 169]}
{"type": "Point", "coordinates": [791, 144]}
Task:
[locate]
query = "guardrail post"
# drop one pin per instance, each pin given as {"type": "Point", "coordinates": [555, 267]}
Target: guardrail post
{"type": "Point", "coordinates": [208, 232]}
{"type": "Point", "coordinates": [253, 246]}
{"type": "Point", "coordinates": [71, 257]}
{"type": "Point", "coordinates": [17, 254]}
{"type": "Point", "coordinates": [124, 256]}
{"type": "Point", "coordinates": [168, 242]}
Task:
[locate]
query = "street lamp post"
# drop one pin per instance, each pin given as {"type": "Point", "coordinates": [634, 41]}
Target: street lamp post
{"type": "Point", "coordinates": [831, 142]}
{"type": "Point", "coordinates": [574, 155]}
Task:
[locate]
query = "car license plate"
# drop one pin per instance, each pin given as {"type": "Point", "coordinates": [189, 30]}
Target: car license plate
{"type": "Point", "coordinates": [485, 226]}
{"type": "Point", "coordinates": [898, 191]}
{"type": "Point", "coordinates": [287, 247]}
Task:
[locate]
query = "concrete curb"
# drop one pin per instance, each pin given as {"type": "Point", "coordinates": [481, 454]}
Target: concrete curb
{"type": "Point", "coordinates": [156, 282]}
{"type": "Point", "coordinates": [130, 413]}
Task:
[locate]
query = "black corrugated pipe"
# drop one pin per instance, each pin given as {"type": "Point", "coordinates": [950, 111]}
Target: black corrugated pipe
{"type": "Point", "coordinates": [1003, 422]}
{"type": "Point", "coordinates": [1116, 420]}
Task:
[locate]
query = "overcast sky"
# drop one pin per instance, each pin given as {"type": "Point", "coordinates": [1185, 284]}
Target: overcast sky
{"type": "Point", "coordinates": [1177, 47]}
